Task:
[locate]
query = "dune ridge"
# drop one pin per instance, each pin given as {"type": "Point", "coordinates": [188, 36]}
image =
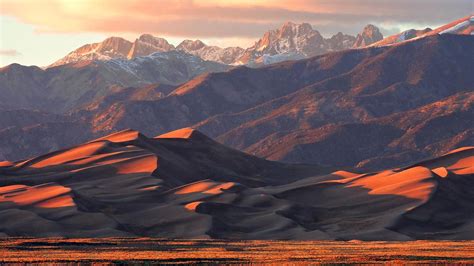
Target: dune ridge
{"type": "Point", "coordinates": [183, 184]}
{"type": "Point", "coordinates": [184, 133]}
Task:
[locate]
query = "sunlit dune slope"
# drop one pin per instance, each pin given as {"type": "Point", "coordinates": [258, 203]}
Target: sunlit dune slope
{"type": "Point", "coordinates": [183, 133]}
{"type": "Point", "coordinates": [183, 184]}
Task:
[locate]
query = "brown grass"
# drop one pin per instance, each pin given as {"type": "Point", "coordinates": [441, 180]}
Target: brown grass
{"type": "Point", "coordinates": [146, 250]}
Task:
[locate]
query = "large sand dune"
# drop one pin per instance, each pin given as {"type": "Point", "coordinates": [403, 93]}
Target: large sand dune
{"type": "Point", "coordinates": [184, 185]}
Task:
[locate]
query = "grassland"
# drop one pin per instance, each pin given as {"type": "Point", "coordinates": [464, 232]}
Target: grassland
{"type": "Point", "coordinates": [160, 251]}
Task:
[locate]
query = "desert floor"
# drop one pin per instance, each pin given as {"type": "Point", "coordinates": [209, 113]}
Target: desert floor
{"type": "Point", "coordinates": [160, 251]}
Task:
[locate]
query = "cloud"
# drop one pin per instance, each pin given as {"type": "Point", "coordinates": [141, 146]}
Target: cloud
{"type": "Point", "coordinates": [9, 52]}
{"type": "Point", "coordinates": [244, 18]}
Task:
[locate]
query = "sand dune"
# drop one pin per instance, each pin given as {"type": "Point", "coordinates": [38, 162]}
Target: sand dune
{"type": "Point", "coordinates": [205, 187]}
{"type": "Point", "coordinates": [122, 136]}
{"type": "Point", "coordinates": [184, 185]}
{"type": "Point", "coordinates": [5, 163]}
{"type": "Point", "coordinates": [415, 183]}
{"type": "Point", "coordinates": [183, 133]}
{"type": "Point", "coordinates": [43, 196]}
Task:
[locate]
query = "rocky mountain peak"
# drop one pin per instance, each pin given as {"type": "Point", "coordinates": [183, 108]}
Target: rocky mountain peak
{"type": "Point", "coordinates": [227, 55]}
{"type": "Point", "coordinates": [290, 41]}
{"type": "Point", "coordinates": [157, 42]}
{"type": "Point", "coordinates": [369, 35]}
{"type": "Point", "coordinates": [114, 42]}
{"type": "Point", "coordinates": [190, 45]}
{"type": "Point", "coordinates": [290, 28]}
{"type": "Point", "coordinates": [290, 37]}
{"type": "Point", "coordinates": [340, 41]}
{"type": "Point", "coordinates": [147, 44]}
{"type": "Point", "coordinates": [114, 47]}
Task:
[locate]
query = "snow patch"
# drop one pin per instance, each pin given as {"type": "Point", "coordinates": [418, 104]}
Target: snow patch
{"type": "Point", "coordinates": [457, 27]}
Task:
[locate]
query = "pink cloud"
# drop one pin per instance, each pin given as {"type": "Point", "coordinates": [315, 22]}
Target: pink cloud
{"type": "Point", "coordinates": [224, 18]}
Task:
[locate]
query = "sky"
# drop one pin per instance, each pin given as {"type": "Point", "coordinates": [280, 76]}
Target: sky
{"type": "Point", "coordinates": [38, 32]}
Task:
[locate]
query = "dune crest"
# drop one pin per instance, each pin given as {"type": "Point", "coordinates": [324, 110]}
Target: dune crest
{"type": "Point", "coordinates": [121, 136]}
{"type": "Point", "coordinates": [205, 187]}
{"type": "Point", "coordinates": [193, 205]}
{"type": "Point", "coordinates": [79, 152]}
{"type": "Point", "coordinates": [345, 174]}
{"type": "Point", "coordinates": [126, 184]}
{"type": "Point", "coordinates": [184, 133]}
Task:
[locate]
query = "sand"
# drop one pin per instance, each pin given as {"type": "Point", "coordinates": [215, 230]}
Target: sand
{"type": "Point", "coordinates": [185, 185]}
{"type": "Point", "coordinates": [183, 133]}
{"type": "Point", "coordinates": [42, 196]}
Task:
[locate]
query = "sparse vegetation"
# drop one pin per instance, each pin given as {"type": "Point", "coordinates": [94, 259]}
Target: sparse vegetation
{"type": "Point", "coordinates": [160, 251]}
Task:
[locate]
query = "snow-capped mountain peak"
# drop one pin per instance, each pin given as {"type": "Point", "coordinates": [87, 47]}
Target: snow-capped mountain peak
{"type": "Point", "coordinates": [112, 47]}
{"type": "Point", "coordinates": [116, 47]}
{"type": "Point", "coordinates": [288, 42]}
{"type": "Point", "coordinates": [293, 41]}
{"type": "Point", "coordinates": [190, 45]}
{"type": "Point", "coordinates": [289, 38]}
{"type": "Point", "coordinates": [211, 53]}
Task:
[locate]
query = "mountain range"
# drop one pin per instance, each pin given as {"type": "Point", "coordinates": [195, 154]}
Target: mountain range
{"type": "Point", "coordinates": [290, 41]}
{"type": "Point", "coordinates": [63, 88]}
{"type": "Point", "coordinates": [183, 184]}
{"type": "Point", "coordinates": [369, 108]}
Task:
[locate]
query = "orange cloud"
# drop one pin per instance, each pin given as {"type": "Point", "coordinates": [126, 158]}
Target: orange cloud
{"type": "Point", "coordinates": [213, 18]}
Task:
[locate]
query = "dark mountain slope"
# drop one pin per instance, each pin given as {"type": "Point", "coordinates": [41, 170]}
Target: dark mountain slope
{"type": "Point", "coordinates": [377, 96]}
{"type": "Point", "coordinates": [282, 106]}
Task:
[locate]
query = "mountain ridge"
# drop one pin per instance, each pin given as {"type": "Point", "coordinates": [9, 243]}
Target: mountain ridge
{"type": "Point", "coordinates": [62, 88]}
{"type": "Point", "coordinates": [311, 42]}
{"type": "Point", "coordinates": [463, 26]}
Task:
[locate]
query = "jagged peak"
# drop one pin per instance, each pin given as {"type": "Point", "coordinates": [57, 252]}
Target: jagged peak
{"type": "Point", "coordinates": [369, 35]}
{"type": "Point", "coordinates": [150, 38]}
{"type": "Point", "coordinates": [115, 39]}
{"type": "Point", "coordinates": [292, 26]}
{"type": "Point", "coordinates": [288, 24]}
{"type": "Point", "coordinates": [371, 27]}
{"type": "Point", "coordinates": [371, 31]}
{"type": "Point", "coordinates": [118, 44]}
{"type": "Point", "coordinates": [191, 45]}
{"type": "Point", "coordinates": [154, 41]}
